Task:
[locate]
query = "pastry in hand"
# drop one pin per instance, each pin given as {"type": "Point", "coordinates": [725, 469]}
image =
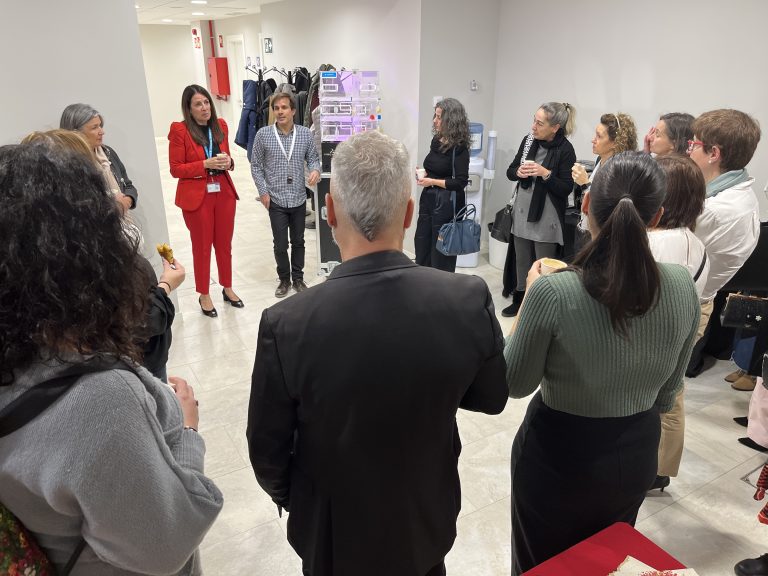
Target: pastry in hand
{"type": "Point", "coordinates": [165, 251]}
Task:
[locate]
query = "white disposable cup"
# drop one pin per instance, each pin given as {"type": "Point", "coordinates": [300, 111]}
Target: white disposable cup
{"type": "Point", "coordinates": [421, 173]}
{"type": "Point", "coordinates": [549, 265]}
{"type": "Point", "coordinates": [529, 161]}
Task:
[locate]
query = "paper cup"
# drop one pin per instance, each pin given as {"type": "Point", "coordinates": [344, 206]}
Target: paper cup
{"type": "Point", "coordinates": [421, 173]}
{"type": "Point", "coordinates": [549, 265]}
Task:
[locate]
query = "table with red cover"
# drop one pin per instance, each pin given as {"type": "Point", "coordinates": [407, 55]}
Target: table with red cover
{"type": "Point", "coordinates": [601, 554]}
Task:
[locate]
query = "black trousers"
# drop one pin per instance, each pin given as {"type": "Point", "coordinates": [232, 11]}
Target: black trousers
{"type": "Point", "coordinates": [438, 570]}
{"type": "Point", "coordinates": [572, 476]}
{"type": "Point", "coordinates": [285, 221]}
{"type": "Point", "coordinates": [435, 209]}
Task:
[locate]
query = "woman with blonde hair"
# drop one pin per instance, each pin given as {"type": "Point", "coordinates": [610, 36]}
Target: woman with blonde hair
{"type": "Point", "coordinates": [542, 169]}
{"type": "Point", "coordinates": [70, 139]}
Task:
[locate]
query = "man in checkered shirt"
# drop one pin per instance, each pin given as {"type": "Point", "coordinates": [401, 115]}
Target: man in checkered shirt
{"type": "Point", "coordinates": [277, 166]}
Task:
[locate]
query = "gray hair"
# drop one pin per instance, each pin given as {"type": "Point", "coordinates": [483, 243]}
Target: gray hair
{"type": "Point", "coordinates": [75, 116]}
{"type": "Point", "coordinates": [371, 180]}
{"type": "Point", "coordinates": [561, 113]}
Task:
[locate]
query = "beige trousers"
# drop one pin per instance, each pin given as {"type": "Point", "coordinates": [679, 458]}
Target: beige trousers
{"type": "Point", "coordinates": [673, 422]}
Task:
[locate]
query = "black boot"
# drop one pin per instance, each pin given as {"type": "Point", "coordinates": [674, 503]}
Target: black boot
{"type": "Point", "coordinates": [517, 300]}
{"type": "Point", "coordinates": [752, 566]}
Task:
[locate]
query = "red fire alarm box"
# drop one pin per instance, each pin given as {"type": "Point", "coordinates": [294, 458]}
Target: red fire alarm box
{"type": "Point", "coordinates": [218, 76]}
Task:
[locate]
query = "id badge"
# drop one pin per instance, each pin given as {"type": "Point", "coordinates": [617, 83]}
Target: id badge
{"type": "Point", "coordinates": [214, 187]}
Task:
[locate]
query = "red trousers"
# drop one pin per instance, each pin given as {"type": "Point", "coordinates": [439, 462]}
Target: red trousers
{"type": "Point", "coordinates": [213, 224]}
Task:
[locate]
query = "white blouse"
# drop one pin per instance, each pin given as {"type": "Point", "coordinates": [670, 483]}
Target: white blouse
{"type": "Point", "coordinates": [681, 246]}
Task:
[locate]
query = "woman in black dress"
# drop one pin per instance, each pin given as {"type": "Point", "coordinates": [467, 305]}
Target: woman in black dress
{"type": "Point", "coordinates": [447, 173]}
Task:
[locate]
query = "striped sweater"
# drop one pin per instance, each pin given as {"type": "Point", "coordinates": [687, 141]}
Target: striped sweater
{"type": "Point", "coordinates": [564, 342]}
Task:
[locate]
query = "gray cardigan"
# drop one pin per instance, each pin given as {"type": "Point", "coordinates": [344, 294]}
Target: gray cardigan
{"type": "Point", "coordinates": [110, 461]}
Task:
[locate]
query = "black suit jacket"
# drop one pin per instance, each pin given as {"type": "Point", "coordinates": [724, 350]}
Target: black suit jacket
{"type": "Point", "coordinates": [352, 417]}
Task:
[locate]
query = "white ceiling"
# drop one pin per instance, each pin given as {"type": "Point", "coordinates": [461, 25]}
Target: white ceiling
{"type": "Point", "coordinates": [181, 11]}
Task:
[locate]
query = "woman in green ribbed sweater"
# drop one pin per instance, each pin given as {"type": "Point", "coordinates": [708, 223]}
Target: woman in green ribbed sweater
{"type": "Point", "coordinates": [608, 341]}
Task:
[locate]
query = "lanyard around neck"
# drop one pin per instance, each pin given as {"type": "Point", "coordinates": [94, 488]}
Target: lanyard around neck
{"type": "Point", "coordinates": [209, 148]}
{"type": "Point", "coordinates": [280, 142]}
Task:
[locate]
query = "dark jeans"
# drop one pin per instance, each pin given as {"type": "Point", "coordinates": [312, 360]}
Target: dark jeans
{"type": "Point", "coordinates": [435, 209]}
{"type": "Point", "coordinates": [283, 221]}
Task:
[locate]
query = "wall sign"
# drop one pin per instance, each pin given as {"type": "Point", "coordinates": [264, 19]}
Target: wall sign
{"type": "Point", "coordinates": [267, 45]}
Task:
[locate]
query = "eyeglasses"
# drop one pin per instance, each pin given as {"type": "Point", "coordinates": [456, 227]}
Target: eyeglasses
{"type": "Point", "coordinates": [692, 145]}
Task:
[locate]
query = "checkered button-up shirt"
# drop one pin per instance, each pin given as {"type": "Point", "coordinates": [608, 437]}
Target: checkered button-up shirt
{"type": "Point", "coordinates": [272, 171]}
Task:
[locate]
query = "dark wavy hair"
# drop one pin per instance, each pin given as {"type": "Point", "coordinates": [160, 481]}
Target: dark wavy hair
{"type": "Point", "coordinates": [71, 279]}
{"type": "Point", "coordinates": [454, 124]}
{"type": "Point", "coordinates": [686, 192]}
{"type": "Point", "coordinates": [679, 127]}
{"type": "Point", "coordinates": [198, 134]}
{"type": "Point", "coordinates": [617, 267]}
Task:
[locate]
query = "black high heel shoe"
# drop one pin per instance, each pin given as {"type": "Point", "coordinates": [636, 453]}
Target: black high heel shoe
{"type": "Point", "coordinates": [660, 483]}
{"type": "Point", "coordinates": [233, 303]}
{"type": "Point", "coordinates": [210, 313]}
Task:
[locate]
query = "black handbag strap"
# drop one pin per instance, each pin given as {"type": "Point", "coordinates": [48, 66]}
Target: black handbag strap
{"type": "Point", "coordinates": [41, 396]}
{"type": "Point", "coordinates": [38, 399]}
{"type": "Point", "coordinates": [701, 267]}
{"type": "Point", "coordinates": [453, 177]}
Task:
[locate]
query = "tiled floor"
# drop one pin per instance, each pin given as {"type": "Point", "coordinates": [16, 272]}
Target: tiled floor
{"type": "Point", "coordinates": [706, 518]}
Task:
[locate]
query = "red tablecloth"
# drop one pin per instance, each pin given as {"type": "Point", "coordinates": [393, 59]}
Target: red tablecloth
{"type": "Point", "coordinates": [601, 554]}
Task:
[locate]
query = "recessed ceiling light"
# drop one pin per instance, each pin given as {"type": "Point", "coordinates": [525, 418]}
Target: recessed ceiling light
{"type": "Point", "coordinates": [198, 1]}
{"type": "Point", "coordinates": [167, 20]}
{"type": "Point", "coordinates": [198, 13]}
{"type": "Point", "coordinates": [136, 5]}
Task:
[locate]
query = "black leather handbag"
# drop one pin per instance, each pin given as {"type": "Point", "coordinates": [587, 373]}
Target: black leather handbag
{"type": "Point", "coordinates": [746, 312]}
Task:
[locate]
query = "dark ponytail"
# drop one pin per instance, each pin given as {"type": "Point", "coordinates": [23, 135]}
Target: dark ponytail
{"type": "Point", "coordinates": [617, 267]}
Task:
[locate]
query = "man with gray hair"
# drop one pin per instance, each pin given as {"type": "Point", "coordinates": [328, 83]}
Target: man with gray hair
{"type": "Point", "coordinates": [357, 381]}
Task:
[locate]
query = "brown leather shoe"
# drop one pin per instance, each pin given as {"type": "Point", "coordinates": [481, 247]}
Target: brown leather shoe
{"type": "Point", "coordinates": [733, 376]}
{"type": "Point", "coordinates": [282, 289]}
{"type": "Point", "coordinates": [745, 383]}
{"type": "Point", "coordinates": [299, 285]}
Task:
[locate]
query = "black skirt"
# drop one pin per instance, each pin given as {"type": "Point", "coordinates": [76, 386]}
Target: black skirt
{"type": "Point", "coordinates": [572, 476]}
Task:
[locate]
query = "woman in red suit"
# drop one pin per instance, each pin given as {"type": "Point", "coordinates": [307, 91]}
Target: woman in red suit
{"type": "Point", "coordinates": [199, 158]}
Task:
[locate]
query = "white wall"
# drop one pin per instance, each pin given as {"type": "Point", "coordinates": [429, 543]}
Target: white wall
{"type": "Point", "coordinates": [449, 61]}
{"type": "Point", "coordinates": [383, 35]}
{"type": "Point", "coordinates": [84, 51]}
{"type": "Point", "coordinates": [249, 27]}
{"type": "Point", "coordinates": [642, 58]}
{"type": "Point", "coordinates": [170, 67]}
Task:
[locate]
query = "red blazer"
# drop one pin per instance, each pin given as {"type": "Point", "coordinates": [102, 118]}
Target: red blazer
{"type": "Point", "coordinates": [186, 158]}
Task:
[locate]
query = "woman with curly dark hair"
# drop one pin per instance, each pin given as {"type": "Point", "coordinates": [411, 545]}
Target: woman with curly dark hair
{"type": "Point", "coordinates": [155, 333]}
{"type": "Point", "coordinates": [614, 133]}
{"type": "Point", "coordinates": [670, 135]}
{"type": "Point", "coordinates": [109, 474]}
{"type": "Point", "coordinates": [447, 174]}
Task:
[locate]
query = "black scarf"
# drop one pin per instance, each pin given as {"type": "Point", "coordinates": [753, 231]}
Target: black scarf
{"type": "Point", "coordinates": [551, 159]}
